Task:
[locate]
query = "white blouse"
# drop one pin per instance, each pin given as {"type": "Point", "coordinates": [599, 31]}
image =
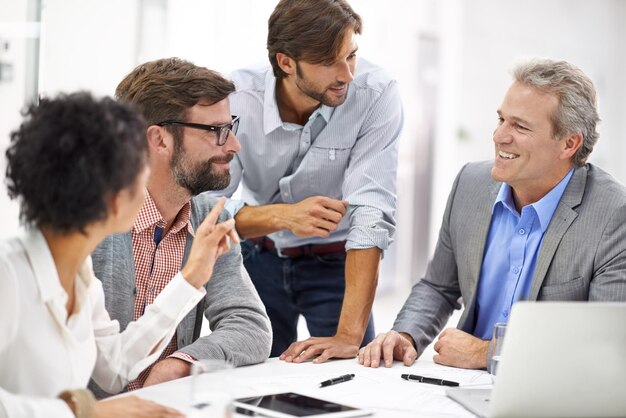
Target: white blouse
{"type": "Point", "coordinates": [43, 352]}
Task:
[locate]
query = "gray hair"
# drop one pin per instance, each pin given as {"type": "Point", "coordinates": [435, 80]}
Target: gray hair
{"type": "Point", "coordinates": [577, 111]}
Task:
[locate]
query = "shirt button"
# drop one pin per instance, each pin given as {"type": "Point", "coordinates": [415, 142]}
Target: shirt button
{"type": "Point", "coordinates": [522, 232]}
{"type": "Point", "coordinates": [515, 270]}
{"type": "Point", "coordinates": [505, 313]}
{"type": "Point", "coordinates": [152, 289]}
{"type": "Point", "coordinates": [285, 194]}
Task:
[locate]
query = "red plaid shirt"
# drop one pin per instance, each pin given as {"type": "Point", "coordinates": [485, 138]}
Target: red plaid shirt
{"type": "Point", "coordinates": [156, 265]}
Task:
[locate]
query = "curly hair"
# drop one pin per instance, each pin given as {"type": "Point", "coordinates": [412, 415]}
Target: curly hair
{"type": "Point", "coordinates": [70, 155]}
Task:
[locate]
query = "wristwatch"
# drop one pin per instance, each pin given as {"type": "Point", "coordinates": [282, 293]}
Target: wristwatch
{"type": "Point", "coordinates": [81, 402]}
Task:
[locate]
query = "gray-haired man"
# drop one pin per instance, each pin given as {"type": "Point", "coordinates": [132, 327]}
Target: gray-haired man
{"type": "Point", "coordinates": [538, 223]}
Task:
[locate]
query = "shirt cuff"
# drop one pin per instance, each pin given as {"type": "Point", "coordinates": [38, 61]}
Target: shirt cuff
{"type": "Point", "coordinates": [178, 296]}
{"type": "Point", "coordinates": [360, 238]}
{"type": "Point", "coordinates": [183, 356]}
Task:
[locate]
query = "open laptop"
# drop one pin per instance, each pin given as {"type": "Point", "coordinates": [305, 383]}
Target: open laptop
{"type": "Point", "coordinates": [559, 359]}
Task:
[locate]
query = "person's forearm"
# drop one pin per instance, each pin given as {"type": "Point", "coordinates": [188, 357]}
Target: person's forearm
{"type": "Point", "coordinates": [361, 281]}
{"type": "Point", "coordinates": [257, 221]}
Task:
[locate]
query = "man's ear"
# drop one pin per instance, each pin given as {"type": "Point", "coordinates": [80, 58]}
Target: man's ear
{"type": "Point", "coordinates": [571, 144]}
{"type": "Point", "coordinates": [286, 63]}
{"type": "Point", "coordinates": [158, 142]}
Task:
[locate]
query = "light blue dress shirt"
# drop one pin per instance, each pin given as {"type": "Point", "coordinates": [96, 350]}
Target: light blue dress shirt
{"type": "Point", "coordinates": [348, 152]}
{"type": "Point", "coordinates": [511, 252]}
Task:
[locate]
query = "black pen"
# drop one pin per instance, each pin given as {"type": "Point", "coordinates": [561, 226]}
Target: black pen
{"type": "Point", "coordinates": [431, 380]}
{"type": "Point", "coordinates": [336, 380]}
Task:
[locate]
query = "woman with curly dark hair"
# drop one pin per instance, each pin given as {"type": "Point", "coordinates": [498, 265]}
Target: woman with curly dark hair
{"type": "Point", "coordinates": [78, 167]}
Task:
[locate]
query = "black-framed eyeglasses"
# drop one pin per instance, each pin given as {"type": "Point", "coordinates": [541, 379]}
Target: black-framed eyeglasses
{"type": "Point", "coordinates": [221, 132]}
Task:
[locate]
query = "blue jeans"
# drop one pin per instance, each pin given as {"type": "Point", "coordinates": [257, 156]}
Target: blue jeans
{"type": "Point", "coordinates": [310, 285]}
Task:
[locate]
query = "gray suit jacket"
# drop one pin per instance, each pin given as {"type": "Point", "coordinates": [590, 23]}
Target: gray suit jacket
{"type": "Point", "coordinates": [241, 332]}
{"type": "Point", "coordinates": [582, 257]}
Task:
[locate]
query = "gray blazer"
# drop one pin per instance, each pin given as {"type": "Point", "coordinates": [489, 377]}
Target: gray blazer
{"type": "Point", "coordinates": [241, 332]}
{"type": "Point", "coordinates": [582, 257]}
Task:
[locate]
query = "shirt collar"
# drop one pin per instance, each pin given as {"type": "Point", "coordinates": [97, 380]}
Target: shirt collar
{"type": "Point", "coordinates": [45, 271]}
{"type": "Point", "coordinates": [149, 216]}
{"type": "Point", "coordinates": [42, 264]}
{"type": "Point", "coordinates": [271, 115]}
{"type": "Point", "coordinates": [544, 208]}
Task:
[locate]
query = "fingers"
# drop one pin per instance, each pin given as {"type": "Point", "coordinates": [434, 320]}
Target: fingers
{"type": "Point", "coordinates": [375, 350]}
{"type": "Point", "coordinates": [294, 350]}
{"type": "Point", "coordinates": [369, 356]}
{"type": "Point", "coordinates": [364, 356]}
{"type": "Point", "coordinates": [320, 349]}
{"type": "Point", "coordinates": [325, 225]}
{"type": "Point", "coordinates": [438, 345]}
{"type": "Point", "coordinates": [326, 354]}
{"type": "Point", "coordinates": [309, 353]}
{"type": "Point", "coordinates": [410, 355]}
{"type": "Point", "coordinates": [328, 349]}
{"type": "Point", "coordinates": [339, 206]}
{"type": "Point", "coordinates": [389, 346]}
{"type": "Point", "coordinates": [330, 215]}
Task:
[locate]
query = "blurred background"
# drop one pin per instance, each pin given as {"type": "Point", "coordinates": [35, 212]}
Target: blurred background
{"type": "Point", "coordinates": [450, 57]}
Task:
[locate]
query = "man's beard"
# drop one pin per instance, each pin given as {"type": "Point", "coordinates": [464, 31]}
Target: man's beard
{"type": "Point", "coordinates": [198, 177]}
{"type": "Point", "coordinates": [309, 89]}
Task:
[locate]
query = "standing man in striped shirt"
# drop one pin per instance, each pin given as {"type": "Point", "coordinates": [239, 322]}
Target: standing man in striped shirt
{"type": "Point", "coordinates": [319, 133]}
{"type": "Point", "coordinates": [191, 140]}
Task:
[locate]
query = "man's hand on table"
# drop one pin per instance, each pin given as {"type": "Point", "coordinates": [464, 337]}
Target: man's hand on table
{"type": "Point", "coordinates": [320, 349]}
{"type": "Point", "coordinates": [388, 347]}
{"type": "Point", "coordinates": [457, 348]}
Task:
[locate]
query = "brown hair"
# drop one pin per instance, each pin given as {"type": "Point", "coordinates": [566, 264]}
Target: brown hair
{"type": "Point", "coordinates": [166, 88]}
{"type": "Point", "coordinates": [309, 30]}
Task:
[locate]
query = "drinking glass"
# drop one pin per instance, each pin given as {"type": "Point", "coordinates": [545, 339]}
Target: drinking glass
{"type": "Point", "coordinates": [499, 329]}
{"type": "Point", "coordinates": [210, 393]}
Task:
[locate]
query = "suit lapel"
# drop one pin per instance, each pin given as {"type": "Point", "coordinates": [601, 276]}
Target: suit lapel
{"type": "Point", "coordinates": [560, 223]}
{"type": "Point", "coordinates": [115, 264]}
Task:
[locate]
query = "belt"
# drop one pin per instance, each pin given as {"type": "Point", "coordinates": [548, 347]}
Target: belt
{"type": "Point", "coordinates": [301, 251]}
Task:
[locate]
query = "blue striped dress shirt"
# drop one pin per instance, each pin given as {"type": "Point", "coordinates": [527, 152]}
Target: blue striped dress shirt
{"type": "Point", "coordinates": [511, 252]}
{"type": "Point", "coordinates": [348, 152]}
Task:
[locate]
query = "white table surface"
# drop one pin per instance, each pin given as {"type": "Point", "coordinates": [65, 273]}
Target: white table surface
{"type": "Point", "coordinates": [381, 390]}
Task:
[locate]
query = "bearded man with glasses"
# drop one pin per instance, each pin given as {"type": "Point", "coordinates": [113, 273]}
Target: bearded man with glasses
{"type": "Point", "coordinates": [191, 141]}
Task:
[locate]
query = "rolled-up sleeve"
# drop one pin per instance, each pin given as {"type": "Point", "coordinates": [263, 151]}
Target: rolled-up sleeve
{"type": "Point", "coordinates": [370, 180]}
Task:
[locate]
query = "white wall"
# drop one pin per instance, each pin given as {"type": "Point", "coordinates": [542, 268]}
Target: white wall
{"type": "Point", "coordinates": [493, 34]}
{"type": "Point", "coordinates": [16, 33]}
{"type": "Point", "coordinates": [87, 44]}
